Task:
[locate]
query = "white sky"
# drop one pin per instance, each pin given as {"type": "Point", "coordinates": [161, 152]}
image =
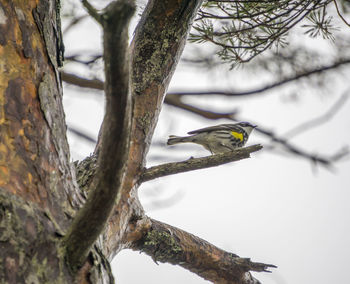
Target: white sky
{"type": "Point", "coordinates": [271, 208]}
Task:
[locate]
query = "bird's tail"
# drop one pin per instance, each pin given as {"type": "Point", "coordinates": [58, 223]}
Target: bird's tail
{"type": "Point", "coordinates": [178, 139]}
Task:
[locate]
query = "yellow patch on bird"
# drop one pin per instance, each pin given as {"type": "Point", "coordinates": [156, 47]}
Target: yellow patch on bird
{"type": "Point", "coordinates": [237, 135]}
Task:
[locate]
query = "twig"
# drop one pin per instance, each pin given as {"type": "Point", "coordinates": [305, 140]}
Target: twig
{"type": "Point", "coordinates": [339, 14]}
{"type": "Point", "coordinates": [99, 85]}
{"type": "Point", "coordinates": [82, 134]}
{"type": "Point", "coordinates": [318, 120]}
{"type": "Point", "coordinates": [74, 22]}
{"type": "Point", "coordinates": [82, 82]}
{"type": "Point", "coordinates": [75, 58]}
{"type": "Point", "coordinates": [294, 149]}
{"type": "Point", "coordinates": [92, 11]}
{"type": "Point", "coordinates": [176, 101]}
{"type": "Point", "coordinates": [198, 163]}
{"type": "Point", "coordinates": [288, 146]}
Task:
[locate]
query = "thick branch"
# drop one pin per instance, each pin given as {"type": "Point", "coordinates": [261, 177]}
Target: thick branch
{"type": "Point", "coordinates": [156, 47]}
{"type": "Point", "coordinates": [92, 218]}
{"type": "Point", "coordinates": [165, 243]}
{"type": "Point", "coordinates": [198, 163]}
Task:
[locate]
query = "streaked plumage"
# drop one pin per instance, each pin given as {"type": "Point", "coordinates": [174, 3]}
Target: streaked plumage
{"type": "Point", "coordinates": [217, 139]}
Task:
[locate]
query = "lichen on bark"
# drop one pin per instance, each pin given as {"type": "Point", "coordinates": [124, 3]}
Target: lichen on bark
{"type": "Point", "coordinates": [161, 245]}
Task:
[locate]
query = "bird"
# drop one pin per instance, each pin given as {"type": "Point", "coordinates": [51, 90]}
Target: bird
{"type": "Point", "coordinates": [217, 139]}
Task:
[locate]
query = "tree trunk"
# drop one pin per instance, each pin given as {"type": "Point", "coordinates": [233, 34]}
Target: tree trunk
{"type": "Point", "coordinates": [38, 193]}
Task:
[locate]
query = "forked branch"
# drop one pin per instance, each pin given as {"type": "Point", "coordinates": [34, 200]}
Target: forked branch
{"type": "Point", "coordinates": [92, 11]}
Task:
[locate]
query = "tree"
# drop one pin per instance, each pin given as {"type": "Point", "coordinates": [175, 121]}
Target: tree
{"type": "Point", "coordinates": [63, 222]}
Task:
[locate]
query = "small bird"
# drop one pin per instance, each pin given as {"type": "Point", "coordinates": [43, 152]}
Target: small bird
{"type": "Point", "coordinates": [218, 139]}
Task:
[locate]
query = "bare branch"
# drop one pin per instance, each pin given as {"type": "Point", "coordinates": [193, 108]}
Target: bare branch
{"type": "Point", "coordinates": [339, 14]}
{"type": "Point", "coordinates": [282, 141]}
{"type": "Point", "coordinates": [165, 243]}
{"type": "Point", "coordinates": [198, 163]}
{"type": "Point", "coordinates": [82, 134]}
{"type": "Point", "coordinates": [97, 84]}
{"type": "Point", "coordinates": [92, 11]}
{"type": "Point", "coordinates": [76, 58]}
{"type": "Point", "coordinates": [318, 120]}
{"type": "Point", "coordinates": [176, 101]}
{"type": "Point", "coordinates": [74, 22]}
{"type": "Point", "coordinates": [82, 82]}
{"type": "Point", "coordinates": [314, 158]}
{"type": "Point", "coordinates": [266, 87]}
{"type": "Point", "coordinates": [91, 219]}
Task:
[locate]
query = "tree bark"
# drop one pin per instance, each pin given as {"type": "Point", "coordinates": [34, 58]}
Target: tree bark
{"type": "Point", "coordinates": [107, 181]}
{"type": "Point", "coordinates": [38, 192]}
{"type": "Point", "coordinates": [59, 228]}
{"type": "Point", "coordinates": [157, 45]}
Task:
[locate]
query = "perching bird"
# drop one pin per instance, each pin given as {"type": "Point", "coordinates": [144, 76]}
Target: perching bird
{"type": "Point", "coordinates": [217, 139]}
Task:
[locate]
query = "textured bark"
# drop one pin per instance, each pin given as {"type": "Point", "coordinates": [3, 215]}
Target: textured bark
{"type": "Point", "coordinates": [157, 45]}
{"type": "Point", "coordinates": [198, 163]}
{"type": "Point", "coordinates": [38, 190]}
{"type": "Point", "coordinates": [165, 243]}
{"type": "Point", "coordinates": [114, 143]}
{"type": "Point", "coordinates": [38, 195]}
{"type": "Point", "coordinates": [39, 240]}
{"type": "Point", "coordinates": [158, 42]}
{"type": "Point", "coordinates": [32, 119]}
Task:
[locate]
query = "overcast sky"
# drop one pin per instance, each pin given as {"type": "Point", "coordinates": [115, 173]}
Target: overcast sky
{"type": "Point", "coordinates": [271, 208]}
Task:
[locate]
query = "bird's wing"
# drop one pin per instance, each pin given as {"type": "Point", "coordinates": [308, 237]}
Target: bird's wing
{"type": "Point", "coordinates": [213, 128]}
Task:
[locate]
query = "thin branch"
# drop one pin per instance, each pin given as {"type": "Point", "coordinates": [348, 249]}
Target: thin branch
{"type": "Point", "coordinates": [165, 243]}
{"type": "Point", "coordinates": [82, 134]}
{"type": "Point", "coordinates": [75, 58]}
{"type": "Point", "coordinates": [92, 11]}
{"type": "Point", "coordinates": [82, 82]}
{"type": "Point", "coordinates": [275, 138]}
{"type": "Point", "coordinates": [339, 14]}
{"type": "Point", "coordinates": [315, 158]}
{"type": "Point", "coordinates": [332, 111]}
{"type": "Point", "coordinates": [198, 163]}
{"type": "Point", "coordinates": [98, 84]}
{"type": "Point", "coordinates": [266, 87]}
{"type": "Point", "coordinates": [176, 101]}
{"type": "Point", "coordinates": [74, 22]}
{"type": "Point", "coordinates": [91, 219]}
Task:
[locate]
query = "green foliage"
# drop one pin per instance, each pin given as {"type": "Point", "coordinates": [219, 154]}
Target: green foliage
{"type": "Point", "coordinates": [243, 29]}
{"type": "Point", "coordinates": [320, 25]}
